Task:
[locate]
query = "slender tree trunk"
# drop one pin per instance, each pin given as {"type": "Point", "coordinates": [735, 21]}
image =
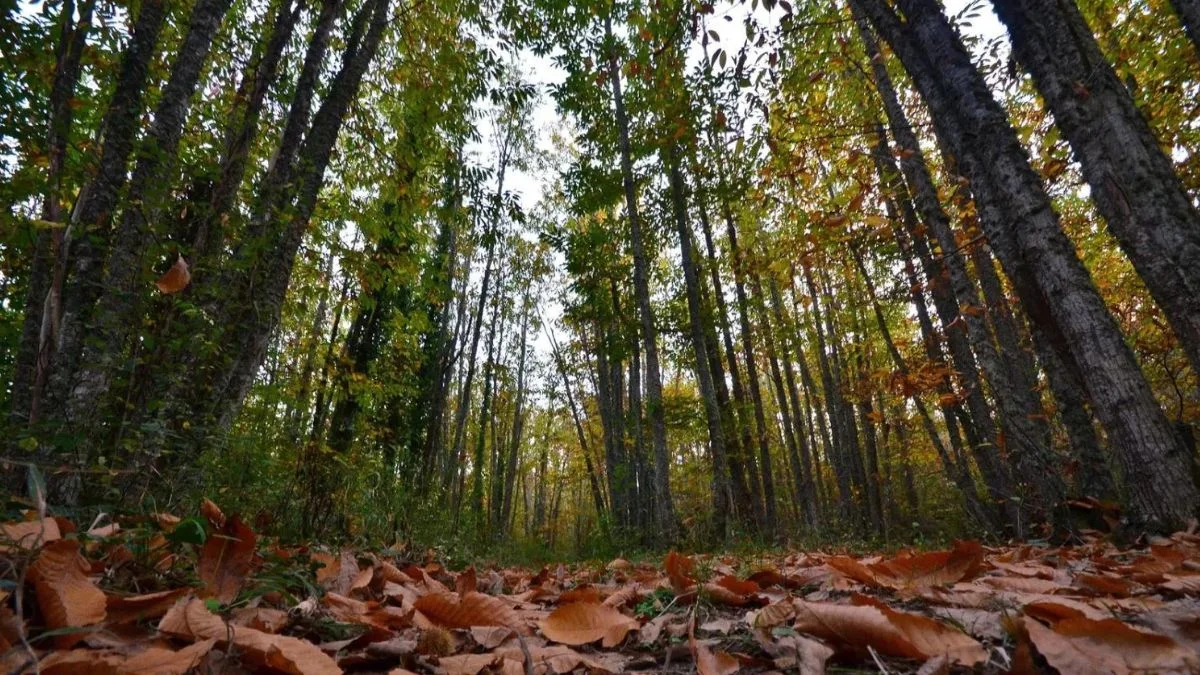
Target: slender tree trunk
{"type": "Point", "coordinates": [807, 487]}
{"type": "Point", "coordinates": [34, 348]}
{"type": "Point", "coordinates": [75, 285]}
{"type": "Point", "coordinates": [664, 507]}
{"type": "Point", "coordinates": [593, 481]}
{"type": "Point", "coordinates": [1037, 256]}
{"type": "Point", "coordinates": [1133, 181]}
{"type": "Point", "coordinates": [712, 411]}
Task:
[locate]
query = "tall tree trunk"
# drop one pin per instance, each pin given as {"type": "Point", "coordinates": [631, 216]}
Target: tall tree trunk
{"type": "Point", "coordinates": [807, 487]}
{"type": "Point", "coordinates": [1132, 179]}
{"type": "Point", "coordinates": [74, 287]}
{"type": "Point", "coordinates": [664, 506]}
{"type": "Point", "coordinates": [33, 348]}
{"type": "Point", "coordinates": [712, 412]}
{"type": "Point", "coordinates": [1038, 258]}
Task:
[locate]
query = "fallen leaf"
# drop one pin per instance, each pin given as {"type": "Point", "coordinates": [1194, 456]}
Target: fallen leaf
{"type": "Point", "coordinates": [1083, 645]}
{"type": "Point", "coordinates": [474, 609]}
{"type": "Point", "coordinates": [191, 620]}
{"type": "Point", "coordinates": [30, 534]}
{"type": "Point", "coordinates": [123, 609]}
{"type": "Point", "coordinates": [213, 513]}
{"type": "Point", "coordinates": [581, 623]}
{"type": "Point", "coordinates": [226, 560]}
{"type": "Point", "coordinates": [709, 662]}
{"type": "Point", "coordinates": [679, 570]}
{"type": "Point", "coordinates": [65, 594]}
{"type": "Point", "coordinates": [467, 664]}
{"type": "Point", "coordinates": [916, 572]}
{"type": "Point", "coordinates": [466, 582]}
{"type": "Point", "coordinates": [890, 632]}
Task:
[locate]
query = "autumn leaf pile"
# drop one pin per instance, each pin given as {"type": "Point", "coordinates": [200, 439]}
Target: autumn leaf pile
{"type": "Point", "coordinates": [162, 595]}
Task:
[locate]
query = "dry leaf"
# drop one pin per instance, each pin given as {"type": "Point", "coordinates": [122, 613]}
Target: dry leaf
{"type": "Point", "coordinates": [467, 664]}
{"type": "Point", "coordinates": [916, 572]}
{"type": "Point", "coordinates": [65, 594]}
{"type": "Point", "coordinates": [192, 620]}
{"type": "Point", "coordinates": [176, 279]}
{"type": "Point", "coordinates": [1082, 645]}
{"type": "Point", "coordinates": [212, 513]}
{"type": "Point", "coordinates": [226, 559]}
{"type": "Point", "coordinates": [679, 570]}
{"type": "Point", "coordinates": [122, 609]}
{"type": "Point", "coordinates": [581, 623]}
{"type": "Point", "coordinates": [466, 582]}
{"type": "Point", "coordinates": [29, 534]}
{"type": "Point", "coordinates": [475, 609]}
{"type": "Point", "coordinates": [709, 662]}
{"type": "Point", "coordinates": [888, 631]}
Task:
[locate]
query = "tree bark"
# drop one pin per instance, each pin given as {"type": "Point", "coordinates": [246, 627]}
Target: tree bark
{"type": "Point", "coordinates": [712, 412]}
{"type": "Point", "coordinates": [664, 506]}
{"type": "Point", "coordinates": [1054, 286]}
{"type": "Point", "coordinates": [1132, 179]}
{"type": "Point", "coordinates": [1189, 15]}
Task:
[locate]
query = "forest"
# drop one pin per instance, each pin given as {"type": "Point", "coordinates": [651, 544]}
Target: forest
{"type": "Point", "coordinates": [524, 281]}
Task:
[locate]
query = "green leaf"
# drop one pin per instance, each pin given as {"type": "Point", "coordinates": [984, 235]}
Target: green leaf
{"type": "Point", "coordinates": [188, 531]}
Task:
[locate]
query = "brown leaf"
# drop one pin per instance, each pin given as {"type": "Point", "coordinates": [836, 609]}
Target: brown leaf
{"type": "Point", "coordinates": [65, 594]}
{"type": "Point", "coordinates": [152, 660]}
{"type": "Point", "coordinates": [30, 534]}
{"type": "Point", "coordinates": [916, 572]}
{"type": "Point", "coordinates": [890, 632]}
{"type": "Point", "coordinates": [737, 585]}
{"type": "Point", "coordinates": [226, 559]}
{"type": "Point", "coordinates": [490, 637]}
{"type": "Point", "coordinates": [266, 619]}
{"type": "Point", "coordinates": [124, 609]}
{"type": "Point", "coordinates": [176, 279]}
{"type": "Point", "coordinates": [192, 620]}
{"type": "Point", "coordinates": [466, 582]}
{"type": "Point", "coordinates": [212, 513]}
{"type": "Point", "coordinates": [1082, 645]}
{"type": "Point", "coordinates": [558, 659]}
{"type": "Point", "coordinates": [467, 664]}
{"type": "Point", "coordinates": [581, 623]}
{"type": "Point", "coordinates": [774, 614]}
{"type": "Point", "coordinates": [709, 662]}
{"type": "Point", "coordinates": [474, 609]}
{"type": "Point", "coordinates": [679, 570]}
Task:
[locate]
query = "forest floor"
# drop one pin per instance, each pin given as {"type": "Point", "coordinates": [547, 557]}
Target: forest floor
{"type": "Point", "coordinates": [163, 594]}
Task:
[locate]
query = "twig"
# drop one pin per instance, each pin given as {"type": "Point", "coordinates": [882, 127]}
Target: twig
{"type": "Point", "coordinates": [875, 655]}
{"type": "Point", "coordinates": [527, 655]}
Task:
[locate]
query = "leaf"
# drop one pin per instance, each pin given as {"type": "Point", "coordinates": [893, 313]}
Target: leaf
{"type": "Point", "coordinates": [213, 513]}
{"type": "Point", "coordinates": [1082, 645]}
{"type": "Point", "coordinates": [467, 664]}
{"type": "Point", "coordinates": [737, 585]}
{"type": "Point", "coordinates": [490, 637]}
{"type": "Point", "coordinates": [774, 614]}
{"type": "Point", "coordinates": [150, 661]}
{"type": "Point", "coordinates": [192, 620]}
{"type": "Point", "coordinates": [679, 569]}
{"type": "Point", "coordinates": [123, 609]}
{"type": "Point", "coordinates": [581, 623]}
{"type": "Point", "coordinates": [175, 279]}
{"type": "Point", "coordinates": [466, 582]}
{"type": "Point", "coordinates": [709, 662]}
{"type": "Point", "coordinates": [558, 659]}
{"type": "Point", "coordinates": [474, 609]}
{"type": "Point", "coordinates": [893, 633]}
{"type": "Point", "coordinates": [916, 572]}
{"type": "Point", "coordinates": [30, 534]}
{"type": "Point", "coordinates": [64, 593]}
{"type": "Point", "coordinates": [226, 560]}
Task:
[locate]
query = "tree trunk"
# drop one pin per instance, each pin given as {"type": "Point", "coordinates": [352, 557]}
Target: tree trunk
{"type": "Point", "coordinates": [1132, 179]}
{"type": "Point", "coordinates": [1189, 15]}
{"type": "Point", "coordinates": [32, 350]}
{"type": "Point", "coordinates": [807, 488]}
{"type": "Point", "coordinates": [712, 412]}
{"type": "Point", "coordinates": [664, 507]}
{"type": "Point", "coordinates": [1037, 256]}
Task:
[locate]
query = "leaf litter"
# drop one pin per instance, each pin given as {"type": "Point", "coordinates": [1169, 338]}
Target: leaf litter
{"type": "Point", "coordinates": [164, 594]}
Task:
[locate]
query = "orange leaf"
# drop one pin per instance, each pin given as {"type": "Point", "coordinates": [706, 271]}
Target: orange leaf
{"type": "Point", "coordinates": [580, 623]}
{"type": "Point", "coordinates": [124, 609]}
{"type": "Point", "coordinates": [679, 569]}
{"type": "Point", "coordinates": [1082, 645]}
{"type": "Point", "coordinates": [466, 582]}
{"type": "Point", "coordinates": [150, 661]}
{"type": "Point", "coordinates": [709, 662]}
{"type": "Point", "coordinates": [192, 620]}
{"type": "Point", "coordinates": [890, 632]}
{"type": "Point", "coordinates": [176, 279]}
{"type": "Point", "coordinates": [213, 513]}
{"type": "Point", "coordinates": [737, 585]}
{"type": "Point", "coordinates": [226, 559]}
{"type": "Point", "coordinates": [475, 609]}
{"type": "Point", "coordinates": [64, 592]}
{"type": "Point", "coordinates": [30, 534]}
{"type": "Point", "coordinates": [916, 572]}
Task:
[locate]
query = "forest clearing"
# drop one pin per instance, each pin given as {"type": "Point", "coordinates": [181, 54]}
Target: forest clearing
{"type": "Point", "coordinates": [616, 335]}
